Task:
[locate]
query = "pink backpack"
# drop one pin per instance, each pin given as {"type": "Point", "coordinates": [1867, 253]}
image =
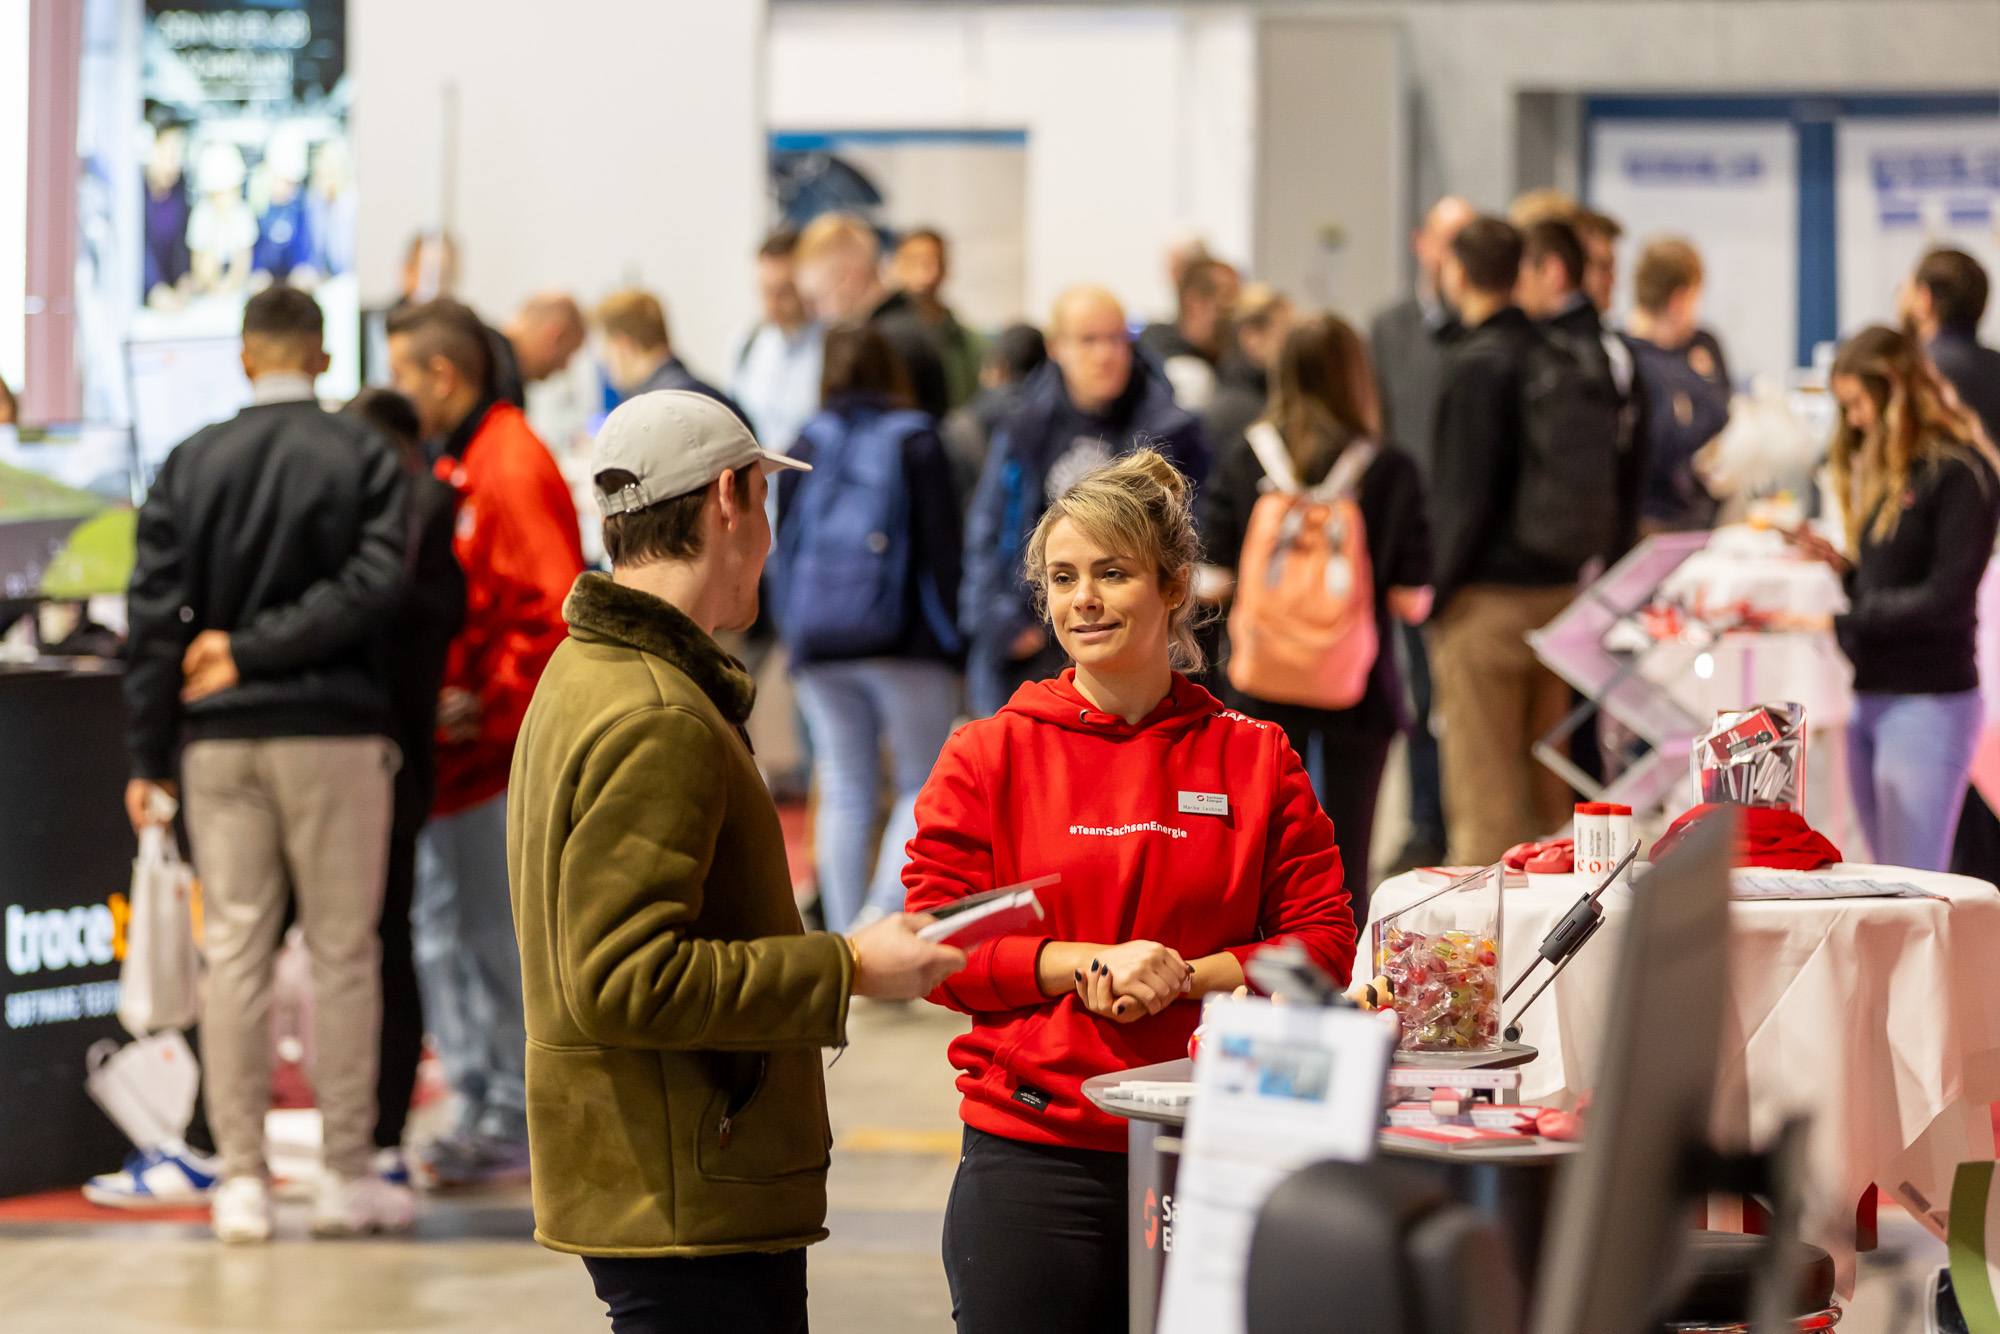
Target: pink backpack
{"type": "Point", "coordinates": [1302, 630]}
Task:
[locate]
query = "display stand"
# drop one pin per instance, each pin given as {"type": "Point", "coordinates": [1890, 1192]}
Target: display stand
{"type": "Point", "coordinates": [1575, 647]}
{"type": "Point", "coordinates": [65, 852]}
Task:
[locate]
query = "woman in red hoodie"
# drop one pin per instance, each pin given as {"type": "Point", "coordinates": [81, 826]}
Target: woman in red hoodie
{"type": "Point", "coordinates": [1186, 835]}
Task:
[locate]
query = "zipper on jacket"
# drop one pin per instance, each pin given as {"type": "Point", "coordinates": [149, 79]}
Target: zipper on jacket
{"type": "Point", "coordinates": [740, 1096]}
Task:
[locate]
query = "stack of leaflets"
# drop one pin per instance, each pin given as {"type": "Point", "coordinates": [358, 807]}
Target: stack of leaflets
{"type": "Point", "coordinates": [1755, 884]}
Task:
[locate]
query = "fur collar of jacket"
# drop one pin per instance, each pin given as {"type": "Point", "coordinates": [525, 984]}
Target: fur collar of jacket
{"type": "Point", "coordinates": [598, 608]}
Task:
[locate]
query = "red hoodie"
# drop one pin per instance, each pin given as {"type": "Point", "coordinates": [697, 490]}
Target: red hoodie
{"type": "Point", "coordinates": [1049, 784]}
{"type": "Point", "coordinates": [517, 541]}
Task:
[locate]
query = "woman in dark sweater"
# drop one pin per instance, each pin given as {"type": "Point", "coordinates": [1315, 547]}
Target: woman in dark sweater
{"type": "Point", "coordinates": [1919, 489]}
{"type": "Point", "coordinates": [1322, 404]}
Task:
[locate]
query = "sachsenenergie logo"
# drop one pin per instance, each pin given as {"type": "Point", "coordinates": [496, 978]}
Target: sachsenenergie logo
{"type": "Point", "coordinates": [1119, 831]}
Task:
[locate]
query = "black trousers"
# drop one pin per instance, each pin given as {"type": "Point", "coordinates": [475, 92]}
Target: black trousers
{"type": "Point", "coordinates": [1426, 773]}
{"type": "Point", "coordinates": [745, 1293]}
{"type": "Point", "coordinates": [1034, 1239]}
{"type": "Point", "coordinates": [402, 1044]}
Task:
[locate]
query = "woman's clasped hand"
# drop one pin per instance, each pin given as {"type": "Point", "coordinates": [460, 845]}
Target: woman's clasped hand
{"type": "Point", "coordinates": [1130, 981]}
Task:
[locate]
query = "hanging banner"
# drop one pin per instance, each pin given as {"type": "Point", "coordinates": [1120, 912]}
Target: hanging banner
{"type": "Point", "coordinates": [1906, 187]}
{"type": "Point", "coordinates": [1731, 189]}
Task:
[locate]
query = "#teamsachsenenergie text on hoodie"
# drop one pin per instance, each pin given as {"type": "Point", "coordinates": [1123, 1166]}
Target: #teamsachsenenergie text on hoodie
{"type": "Point", "coordinates": [1123, 812]}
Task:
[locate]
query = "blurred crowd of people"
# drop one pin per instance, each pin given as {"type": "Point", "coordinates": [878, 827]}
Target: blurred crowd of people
{"type": "Point", "coordinates": [343, 617]}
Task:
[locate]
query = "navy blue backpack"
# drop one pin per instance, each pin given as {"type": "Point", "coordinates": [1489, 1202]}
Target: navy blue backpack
{"type": "Point", "coordinates": [844, 550]}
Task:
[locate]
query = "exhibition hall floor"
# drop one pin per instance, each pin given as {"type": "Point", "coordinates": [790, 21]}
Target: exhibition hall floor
{"type": "Point", "coordinates": [471, 1268]}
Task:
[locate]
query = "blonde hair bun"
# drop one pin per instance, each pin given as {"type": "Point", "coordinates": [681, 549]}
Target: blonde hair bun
{"type": "Point", "coordinates": [1151, 465]}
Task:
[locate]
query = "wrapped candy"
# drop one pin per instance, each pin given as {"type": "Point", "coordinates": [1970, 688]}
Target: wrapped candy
{"type": "Point", "coordinates": [1446, 988]}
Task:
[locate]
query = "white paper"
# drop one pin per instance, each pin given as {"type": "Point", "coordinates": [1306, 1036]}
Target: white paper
{"type": "Point", "coordinates": [1804, 885]}
{"type": "Point", "coordinates": [1277, 1087]}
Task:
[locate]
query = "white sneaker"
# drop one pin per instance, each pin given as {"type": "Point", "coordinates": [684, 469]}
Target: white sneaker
{"type": "Point", "coordinates": [172, 1176]}
{"type": "Point", "coordinates": [241, 1210]}
{"type": "Point", "coordinates": [356, 1206]}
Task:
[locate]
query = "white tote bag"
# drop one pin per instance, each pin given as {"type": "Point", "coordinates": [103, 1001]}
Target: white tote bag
{"type": "Point", "coordinates": [160, 986]}
{"type": "Point", "coordinates": [146, 1087]}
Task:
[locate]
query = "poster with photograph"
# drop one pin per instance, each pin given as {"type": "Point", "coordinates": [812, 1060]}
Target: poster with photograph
{"type": "Point", "coordinates": [217, 161]}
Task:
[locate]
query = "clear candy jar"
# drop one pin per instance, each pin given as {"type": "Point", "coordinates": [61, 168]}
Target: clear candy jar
{"type": "Point", "coordinates": [1442, 958]}
{"type": "Point", "coordinates": [1753, 757]}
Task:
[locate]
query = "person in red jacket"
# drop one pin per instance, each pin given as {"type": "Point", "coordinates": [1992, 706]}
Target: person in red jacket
{"type": "Point", "coordinates": [518, 542]}
{"type": "Point", "coordinates": [1186, 835]}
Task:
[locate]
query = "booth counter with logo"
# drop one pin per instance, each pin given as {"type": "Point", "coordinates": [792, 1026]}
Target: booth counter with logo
{"type": "Point", "coordinates": [65, 862]}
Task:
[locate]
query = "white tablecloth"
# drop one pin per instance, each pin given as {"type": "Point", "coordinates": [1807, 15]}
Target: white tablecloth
{"type": "Point", "coordinates": [1880, 1017]}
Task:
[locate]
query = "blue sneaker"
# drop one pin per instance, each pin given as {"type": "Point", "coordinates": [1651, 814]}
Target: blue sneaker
{"type": "Point", "coordinates": [391, 1166]}
{"type": "Point", "coordinates": [170, 1177]}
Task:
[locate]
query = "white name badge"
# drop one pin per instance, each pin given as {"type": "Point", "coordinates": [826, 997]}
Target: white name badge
{"type": "Point", "coordinates": [1204, 803]}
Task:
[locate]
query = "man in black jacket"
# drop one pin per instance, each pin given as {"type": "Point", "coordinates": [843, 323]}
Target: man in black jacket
{"type": "Point", "coordinates": [639, 354]}
{"type": "Point", "coordinates": [1261, 319]}
{"type": "Point", "coordinates": [1554, 260]}
{"type": "Point", "coordinates": [1942, 304]}
{"type": "Point", "coordinates": [1191, 349]}
{"type": "Point", "coordinates": [1493, 698]}
{"type": "Point", "coordinates": [269, 554]}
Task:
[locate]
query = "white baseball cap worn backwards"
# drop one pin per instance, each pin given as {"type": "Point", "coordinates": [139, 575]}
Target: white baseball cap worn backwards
{"type": "Point", "coordinates": [673, 441]}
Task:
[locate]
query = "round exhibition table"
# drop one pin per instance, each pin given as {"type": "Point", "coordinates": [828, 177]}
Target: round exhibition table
{"type": "Point", "coordinates": [1880, 1018]}
{"type": "Point", "coordinates": [1514, 1186]}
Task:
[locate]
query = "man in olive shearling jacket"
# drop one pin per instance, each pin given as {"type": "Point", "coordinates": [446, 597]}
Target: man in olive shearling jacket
{"type": "Point", "coordinates": [676, 1007]}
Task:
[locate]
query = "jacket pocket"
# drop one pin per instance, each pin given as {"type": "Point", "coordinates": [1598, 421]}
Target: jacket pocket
{"type": "Point", "coordinates": [599, 1134]}
{"type": "Point", "coordinates": [765, 1119]}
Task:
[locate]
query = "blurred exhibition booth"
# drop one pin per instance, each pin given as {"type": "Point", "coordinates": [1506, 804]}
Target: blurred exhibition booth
{"type": "Point", "coordinates": [162, 159]}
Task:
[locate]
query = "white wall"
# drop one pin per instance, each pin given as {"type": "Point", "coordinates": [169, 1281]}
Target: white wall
{"type": "Point", "coordinates": [1333, 161]}
{"type": "Point", "coordinates": [601, 143]}
{"type": "Point", "coordinates": [1140, 120]}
